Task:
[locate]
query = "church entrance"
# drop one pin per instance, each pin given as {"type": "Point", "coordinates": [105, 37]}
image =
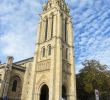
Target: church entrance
{"type": "Point", "coordinates": [44, 95]}
{"type": "Point", "coordinates": [64, 96]}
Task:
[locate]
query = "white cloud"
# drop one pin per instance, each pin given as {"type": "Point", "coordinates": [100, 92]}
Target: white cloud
{"type": "Point", "coordinates": [17, 45]}
{"type": "Point", "coordinates": [18, 25]}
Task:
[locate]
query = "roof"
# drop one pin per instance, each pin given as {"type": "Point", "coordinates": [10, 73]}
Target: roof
{"type": "Point", "coordinates": [17, 65]}
{"type": "Point", "coordinates": [24, 61]}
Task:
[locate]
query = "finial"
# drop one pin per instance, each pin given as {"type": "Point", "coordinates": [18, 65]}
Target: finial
{"type": "Point", "coordinates": [9, 60]}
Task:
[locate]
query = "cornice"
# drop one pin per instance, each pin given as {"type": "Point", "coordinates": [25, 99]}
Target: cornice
{"type": "Point", "coordinates": [56, 38]}
{"type": "Point", "coordinates": [24, 61]}
{"type": "Point", "coordinates": [17, 67]}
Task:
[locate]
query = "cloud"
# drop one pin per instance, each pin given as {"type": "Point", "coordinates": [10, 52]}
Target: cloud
{"type": "Point", "coordinates": [18, 26]}
{"type": "Point", "coordinates": [92, 31]}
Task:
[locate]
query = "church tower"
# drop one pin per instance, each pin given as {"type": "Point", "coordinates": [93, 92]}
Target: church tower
{"type": "Point", "coordinates": [53, 71]}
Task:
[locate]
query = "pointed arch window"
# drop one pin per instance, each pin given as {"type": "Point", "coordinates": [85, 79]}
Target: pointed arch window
{"type": "Point", "coordinates": [66, 30]}
{"type": "Point", "coordinates": [14, 86]}
{"type": "Point", "coordinates": [58, 2]}
{"type": "Point", "coordinates": [46, 30]}
{"type": "Point", "coordinates": [66, 53]}
{"type": "Point", "coordinates": [50, 5]}
{"type": "Point", "coordinates": [43, 52]}
{"type": "Point", "coordinates": [49, 50]}
{"type": "Point", "coordinates": [0, 78]}
{"type": "Point", "coordinates": [64, 93]}
{"type": "Point", "coordinates": [52, 26]}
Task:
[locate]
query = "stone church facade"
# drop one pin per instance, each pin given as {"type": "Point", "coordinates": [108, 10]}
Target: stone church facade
{"type": "Point", "coordinates": [14, 77]}
{"type": "Point", "coordinates": [50, 74]}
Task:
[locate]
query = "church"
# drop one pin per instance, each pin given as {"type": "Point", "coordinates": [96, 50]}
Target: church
{"type": "Point", "coordinates": [50, 74]}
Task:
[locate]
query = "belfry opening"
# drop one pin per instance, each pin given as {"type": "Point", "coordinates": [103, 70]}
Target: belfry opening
{"type": "Point", "coordinates": [44, 93]}
{"type": "Point", "coordinates": [64, 94]}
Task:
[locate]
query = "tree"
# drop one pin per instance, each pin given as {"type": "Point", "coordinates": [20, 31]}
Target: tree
{"type": "Point", "coordinates": [93, 76]}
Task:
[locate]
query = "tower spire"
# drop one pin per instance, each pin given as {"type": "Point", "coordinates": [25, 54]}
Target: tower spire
{"type": "Point", "coordinates": [53, 73]}
{"type": "Point", "coordinates": [56, 3]}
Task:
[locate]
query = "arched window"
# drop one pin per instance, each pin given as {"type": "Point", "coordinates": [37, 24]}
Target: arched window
{"type": "Point", "coordinates": [46, 30]}
{"type": "Point", "coordinates": [0, 78]}
{"type": "Point", "coordinates": [66, 53]}
{"type": "Point", "coordinates": [43, 52]}
{"type": "Point", "coordinates": [58, 3]}
{"type": "Point", "coordinates": [52, 26]}
{"type": "Point", "coordinates": [49, 50]}
{"type": "Point", "coordinates": [66, 30]}
{"type": "Point", "coordinates": [50, 5]}
{"type": "Point", "coordinates": [64, 94]}
{"type": "Point", "coordinates": [14, 86]}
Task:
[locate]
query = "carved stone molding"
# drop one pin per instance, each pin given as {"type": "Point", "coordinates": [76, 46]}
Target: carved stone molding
{"type": "Point", "coordinates": [43, 65]}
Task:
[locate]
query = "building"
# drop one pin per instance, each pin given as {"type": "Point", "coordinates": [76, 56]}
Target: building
{"type": "Point", "coordinates": [13, 77]}
{"type": "Point", "coordinates": [50, 74]}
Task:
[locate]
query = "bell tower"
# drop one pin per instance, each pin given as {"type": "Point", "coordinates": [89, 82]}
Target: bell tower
{"type": "Point", "coordinates": [53, 71]}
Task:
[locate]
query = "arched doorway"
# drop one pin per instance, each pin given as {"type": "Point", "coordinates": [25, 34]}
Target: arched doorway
{"type": "Point", "coordinates": [64, 94]}
{"type": "Point", "coordinates": [44, 93]}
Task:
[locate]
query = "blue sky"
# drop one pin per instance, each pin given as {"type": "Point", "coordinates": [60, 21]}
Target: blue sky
{"type": "Point", "coordinates": [91, 21]}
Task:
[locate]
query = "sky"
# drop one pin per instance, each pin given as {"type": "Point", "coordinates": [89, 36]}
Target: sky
{"type": "Point", "coordinates": [91, 22]}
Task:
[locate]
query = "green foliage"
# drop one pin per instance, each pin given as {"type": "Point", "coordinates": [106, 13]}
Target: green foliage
{"type": "Point", "coordinates": [88, 87]}
{"type": "Point", "coordinates": [93, 76]}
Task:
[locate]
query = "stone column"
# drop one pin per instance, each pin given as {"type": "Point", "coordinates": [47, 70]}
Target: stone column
{"type": "Point", "coordinates": [53, 65]}
{"type": "Point", "coordinates": [72, 94]}
{"type": "Point", "coordinates": [9, 61]}
{"type": "Point", "coordinates": [52, 74]}
{"type": "Point", "coordinates": [7, 69]}
{"type": "Point", "coordinates": [31, 90]}
{"type": "Point", "coordinates": [40, 32]}
{"type": "Point", "coordinates": [38, 96]}
{"type": "Point", "coordinates": [58, 80]}
{"type": "Point", "coordinates": [31, 93]}
{"type": "Point", "coordinates": [25, 87]}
